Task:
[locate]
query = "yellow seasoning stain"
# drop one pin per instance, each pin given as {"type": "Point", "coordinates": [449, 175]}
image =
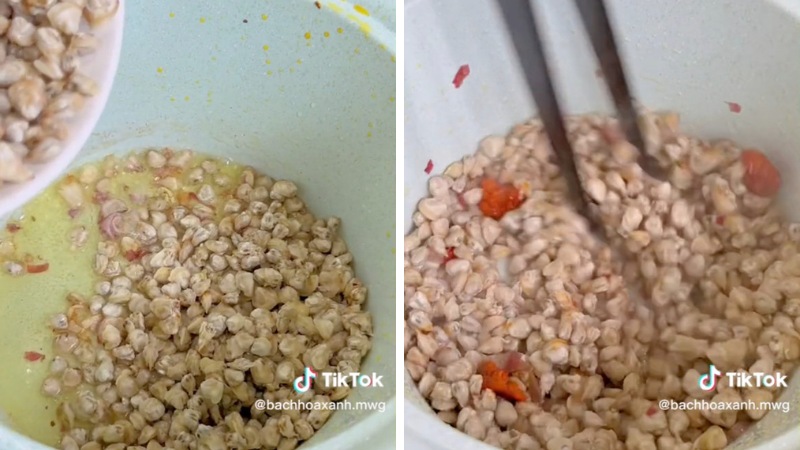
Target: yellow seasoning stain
{"type": "Point", "coordinates": [363, 26]}
{"type": "Point", "coordinates": [391, 99]}
{"type": "Point", "coordinates": [160, 70]}
{"type": "Point", "coordinates": [326, 34]}
{"type": "Point", "coordinates": [214, 58]}
{"type": "Point", "coordinates": [269, 61]}
{"type": "Point", "coordinates": [334, 7]}
{"type": "Point", "coordinates": [299, 61]}
{"type": "Point", "coordinates": [394, 58]}
{"type": "Point", "coordinates": [171, 15]}
{"type": "Point", "coordinates": [361, 10]}
{"type": "Point", "coordinates": [172, 99]}
{"type": "Point", "coordinates": [357, 51]}
{"type": "Point", "coordinates": [186, 99]}
{"type": "Point", "coordinates": [291, 69]}
{"type": "Point", "coordinates": [265, 47]}
{"type": "Point", "coordinates": [264, 17]}
{"type": "Point", "coordinates": [369, 133]}
{"type": "Point", "coordinates": [269, 72]}
{"type": "Point", "coordinates": [388, 234]}
{"type": "Point", "coordinates": [340, 30]}
{"type": "Point", "coordinates": [202, 20]}
{"type": "Point", "coordinates": [307, 35]}
{"type": "Point", "coordinates": [394, 251]}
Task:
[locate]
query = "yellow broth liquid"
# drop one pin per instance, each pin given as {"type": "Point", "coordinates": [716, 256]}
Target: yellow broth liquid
{"type": "Point", "coordinates": [28, 302]}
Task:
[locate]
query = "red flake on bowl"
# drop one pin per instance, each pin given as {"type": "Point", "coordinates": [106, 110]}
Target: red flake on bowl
{"type": "Point", "coordinates": [37, 268]}
{"type": "Point", "coordinates": [429, 167]}
{"type": "Point", "coordinates": [461, 75]}
{"type": "Point", "coordinates": [734, 107]}
{"type": "Point", "coordinates": [33, 356]}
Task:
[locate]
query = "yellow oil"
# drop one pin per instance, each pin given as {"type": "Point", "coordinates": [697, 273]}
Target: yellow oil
{"type": "Point", "coordinates": [28, 302]}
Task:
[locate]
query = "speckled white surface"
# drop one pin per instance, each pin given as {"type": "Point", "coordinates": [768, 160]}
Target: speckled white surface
{"type": "Point", "coordinates": [684, 55]}
{"type": "Point", "coordinates": [318, 110]}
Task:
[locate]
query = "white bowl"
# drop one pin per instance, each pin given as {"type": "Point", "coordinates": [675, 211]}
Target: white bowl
{"type": "Point", "coordinates": [326, 122]}
{"type": "Point", "coordinates": [101, 66]}
{"type": "Point", "coordinates": [683, 55]}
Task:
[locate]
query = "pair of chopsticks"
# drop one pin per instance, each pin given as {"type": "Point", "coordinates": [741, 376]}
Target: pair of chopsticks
{"type": "Point", "coordinates": [521, 23]}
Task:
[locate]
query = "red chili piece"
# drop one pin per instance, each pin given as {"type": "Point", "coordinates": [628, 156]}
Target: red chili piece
{"type": "Point", "coordinates": [429, 167]}
{"type": "Point", "coordinates": [451, 254]}
{"type": "Point", "coordinates": [33, 356]}
{"type": "Point", "coordinates": [761, 177]}
{"type": "Point", "coordinates": [461, 201]}
{"type": "Point", "coordinates": [498, 199]}
{"type": "Point", "coordinates": [13, 227]}
{"type": "Point", "coordinates": [734, 107]}
{"type": "Point", "coordinates": [37, 268]}
{"type": "Point", "coordinates": [461, 75]}
{"type": "Point", "coordinates": [133, 255]}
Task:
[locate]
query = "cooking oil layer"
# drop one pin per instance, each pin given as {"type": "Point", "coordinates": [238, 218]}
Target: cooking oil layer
{"type": "Point", "coordinates": [28, 302]}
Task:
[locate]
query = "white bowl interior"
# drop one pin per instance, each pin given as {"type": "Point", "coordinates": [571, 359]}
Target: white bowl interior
{"type": "Point", "coordinates": [683, 55]}
{"type": "Point", "coordinates": [101, 66]}
{"type": "Point", "coordinates": [318, 111]}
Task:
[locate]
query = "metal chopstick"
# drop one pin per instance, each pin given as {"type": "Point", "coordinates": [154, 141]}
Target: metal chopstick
{"type": "Point", "coordinates": [595, 19]}
{"type": "Point", "coordinates": [522, 27]}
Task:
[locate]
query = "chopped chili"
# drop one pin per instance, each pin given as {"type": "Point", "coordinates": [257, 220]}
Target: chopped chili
{"type": "Point", "coordinates": [134, 255]}
{"type": "Point", "coordinates": [184, 198]}
{"type": "Point", "coordinates": [13, 227]}
{"type": "Point", "coordinates": [451, 254]}
{"type": "Point", "coordinates": [500, 382]}
{"type": "Point", "coordinates": [37, 268]}
{"type": "Point", "coordinates": [461, 75]}
{"type": "Point", "coordinates": [515, 363]}
{"type": "Point", "coordinates": [33, 356]}
{"type": "Point", "coordinates": [720, 220]}
{"type": "Point", "coordinates": [761, 177]}
{"type": "Point", "coordinates": [461, 201]}
{"type": "Point", "coordinates": [429, 167]}
{"type": "Point", "coordinates": [498, 199]}
{"type": "Point", "coordinates": [734, 107]}
{"type": "Point", "coordinates": [100, 197]}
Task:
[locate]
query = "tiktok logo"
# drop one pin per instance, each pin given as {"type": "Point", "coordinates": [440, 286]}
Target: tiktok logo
{"type": "Point", "coordinates": [303, 384]}
{"type": "Point", "coordinates": [708, 381]}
